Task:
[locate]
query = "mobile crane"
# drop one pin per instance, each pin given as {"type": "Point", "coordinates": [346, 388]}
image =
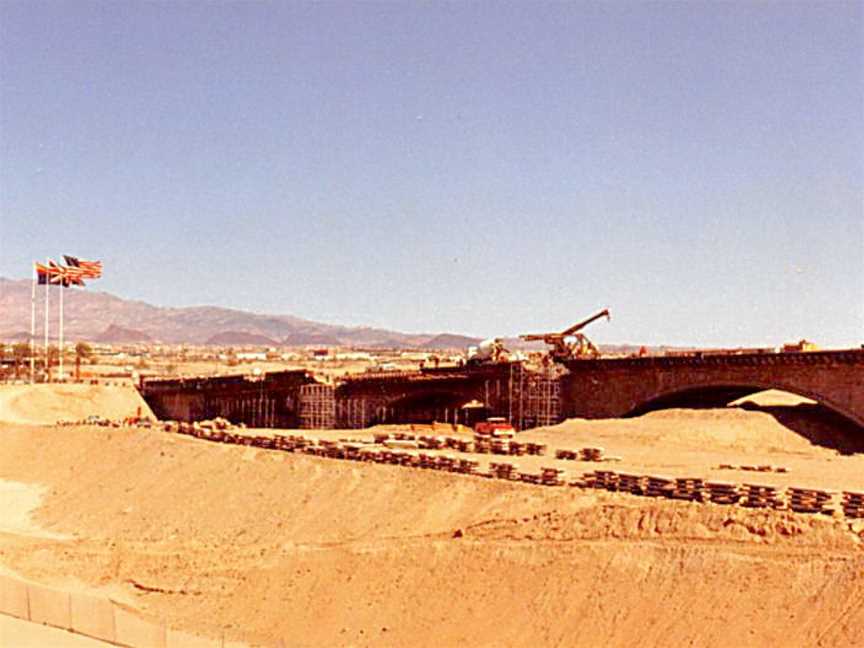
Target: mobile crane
{"type": "Point", "coordinates": [569, 344]}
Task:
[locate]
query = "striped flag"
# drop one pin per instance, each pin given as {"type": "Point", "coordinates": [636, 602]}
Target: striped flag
{"type": "Point", "coordinates": [64, 276]}
{"type": "Point", "coordinates": [90, 269]}
{"type": "Point", "coordinates": [42, 273]}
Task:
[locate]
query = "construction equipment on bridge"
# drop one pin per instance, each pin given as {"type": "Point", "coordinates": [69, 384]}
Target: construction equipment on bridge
{"type": "Point", "coordinates": [489, 351]}
{"type": "Point", "coordinates": [569, 344]}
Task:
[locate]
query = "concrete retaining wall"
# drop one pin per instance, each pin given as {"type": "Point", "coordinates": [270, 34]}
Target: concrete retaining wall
{"type": "Point", "coordinates": [94, 616]}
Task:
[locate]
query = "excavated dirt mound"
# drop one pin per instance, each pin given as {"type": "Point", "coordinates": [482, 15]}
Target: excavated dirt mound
{"type": "Point", "coordinates": [45, 404]}
{"type": "Point", "coordinates": [266, 546]}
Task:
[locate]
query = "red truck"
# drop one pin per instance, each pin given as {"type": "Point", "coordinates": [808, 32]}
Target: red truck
{"type": "Point", "coordinates": [495, 427]}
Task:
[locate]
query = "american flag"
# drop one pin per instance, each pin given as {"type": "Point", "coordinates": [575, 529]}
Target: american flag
{"type": "Point", "coordinates": [89, 269]}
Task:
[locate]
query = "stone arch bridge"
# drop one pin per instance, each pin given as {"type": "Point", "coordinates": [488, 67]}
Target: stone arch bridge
{"type": "Point", "coordinates": [608, 388]}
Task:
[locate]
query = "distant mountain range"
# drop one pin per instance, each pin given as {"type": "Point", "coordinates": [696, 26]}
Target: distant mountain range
{"type": "Point", "coordinates": [102, 317]}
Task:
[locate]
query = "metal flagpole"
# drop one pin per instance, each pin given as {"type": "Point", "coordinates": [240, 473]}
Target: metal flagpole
{"type": "Point", "coordinates": [33, 328]}
{"type": "Point", "coordinates": [62, 290]}
{"type": "Point", "coordinates": [47, 285]}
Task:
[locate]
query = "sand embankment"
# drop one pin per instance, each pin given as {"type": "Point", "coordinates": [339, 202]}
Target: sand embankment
{"type": "Point", "coordinates": [266, 546]}
{"type": "Point", "coordinates": [45, 404]}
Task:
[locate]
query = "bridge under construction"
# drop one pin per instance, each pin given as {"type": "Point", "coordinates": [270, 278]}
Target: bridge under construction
{"type": "Point", "coordinates": [526, 397]}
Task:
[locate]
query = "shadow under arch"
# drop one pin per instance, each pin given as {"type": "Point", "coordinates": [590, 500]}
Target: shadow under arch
{"type": "Point", "coordinates": [820, 422]}
{"type": "Point", "coordinates": [425, 407]}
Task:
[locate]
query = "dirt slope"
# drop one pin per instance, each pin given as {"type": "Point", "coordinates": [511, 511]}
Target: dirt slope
{"type": "Point", "coordinates": [266, 546]}
{"type": "Point", "coordinates": [46, 404]}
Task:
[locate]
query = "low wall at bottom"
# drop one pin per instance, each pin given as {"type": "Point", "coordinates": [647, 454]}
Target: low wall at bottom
{"type": "Point", "coordinates": [94, 616]}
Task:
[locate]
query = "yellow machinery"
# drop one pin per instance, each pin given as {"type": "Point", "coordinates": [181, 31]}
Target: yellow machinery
{"type": "Point", "coordinates": [569, 344]}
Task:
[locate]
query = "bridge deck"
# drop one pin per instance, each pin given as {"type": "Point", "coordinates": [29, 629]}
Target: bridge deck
{"type": "Point", "coordinates": [842, 356]}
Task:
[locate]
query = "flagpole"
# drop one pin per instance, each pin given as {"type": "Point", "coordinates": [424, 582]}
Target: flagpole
{"type": "Point", "coordinates": [33, 329]}
{"type": "Point", "coordinates": [47, 286]}
{"type": "Point", "coordinates": [62, 290]}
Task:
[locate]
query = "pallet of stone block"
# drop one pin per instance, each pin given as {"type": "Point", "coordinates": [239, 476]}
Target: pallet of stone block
{"type": "Point", "coordinates": [504, 470]}
{"type": "Point", "coordinates": [580, 482]}
{"type": "Point", "coordinates": [591, 454]}
{"type": "Point", "coordinates": [403, 458]}
{"type": "Point", "coordinates": [760, 496]}
{"type": "Point", "coordinates": [809, 500]}
{"type": "Point", "coordinates": [536, 449]}
{"type": "Point", "coordinates": [631, 483]}
{"type": "Point", "coordinates": [430, 442]}
{"type": "Point", "coordinates": [369, 454]}
{"type": "Point", "coordinates": [657, 486]}
{"type": "Point", "coordinates": [381, 437]}
{"type": "Point", "coordinates": [261, 442]}
{"type": "Point", "coordinates": [606, 479]}
{"type": "Point", "coordinates": [453, 463]}
{"type": "Point", "coordinates": [463, 445]}
{"type": "Point", "coordinates": [482, 445]}
{"type": "Point", "coordinates": [720, 492]}
{"type": "Point", "coordinates": [444, 463]}
{"type": "Point", "coordinates": [500, 447]}
{"type": "Point", "coordinates": [352, 451]}
{"type": "Point", "coordinates": [853, 504]}
{"type": "Point", "coordinates": [688, 488]}
{"type": "Point", "coordinates": [753, 468]}
{"type": "Point", "coordinates": [566, 455]}
{"type": "Point", "coordinates": [468, 466]}
{"type": "Point", "coordinates": [528, 478]}
{"type": "Point", "coordinates": [515, 448]}
{"type": "Point", "coordinates": [551, 476]}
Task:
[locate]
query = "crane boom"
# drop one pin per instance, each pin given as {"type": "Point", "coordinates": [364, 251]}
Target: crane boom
{"type": "Point", "coordinates": [586, 322]}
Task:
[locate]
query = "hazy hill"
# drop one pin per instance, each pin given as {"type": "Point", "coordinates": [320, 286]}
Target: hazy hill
{"type": "Point", "coordinates": [118, 335]}
{"type": "Point", "coordinates": [240, 338]}
{"type": "Point", "coordinates": [450, 341]}
{"type": "Point", "coordinates": [94, 315]}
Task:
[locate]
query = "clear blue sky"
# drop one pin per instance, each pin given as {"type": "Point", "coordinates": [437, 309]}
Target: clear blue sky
{"type": "Point", "coordinates": [485, 168]}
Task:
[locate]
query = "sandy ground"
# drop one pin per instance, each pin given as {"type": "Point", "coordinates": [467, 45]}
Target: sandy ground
{"type": "Point", "coordinates": [265, 546]}
{"type": "Point", "coordinates": [45, 404]}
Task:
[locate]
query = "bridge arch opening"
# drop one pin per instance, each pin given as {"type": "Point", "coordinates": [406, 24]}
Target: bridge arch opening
{"type": "Point", "coordinates": [808, 415]}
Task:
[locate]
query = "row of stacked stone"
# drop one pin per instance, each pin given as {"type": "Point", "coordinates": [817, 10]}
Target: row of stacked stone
{"type": "Point", "coordinates": [800, 500]}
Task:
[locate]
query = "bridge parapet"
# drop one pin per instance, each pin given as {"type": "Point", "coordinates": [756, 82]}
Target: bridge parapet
{"type": "Point", "coordinates": [844, 356]}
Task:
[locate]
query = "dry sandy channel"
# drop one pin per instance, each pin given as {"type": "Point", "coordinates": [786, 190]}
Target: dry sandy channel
{"type": "Point", "coordinates": [264, 546]}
